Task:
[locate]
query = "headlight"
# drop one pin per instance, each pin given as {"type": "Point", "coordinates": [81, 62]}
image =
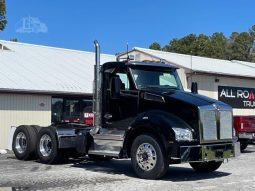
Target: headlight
{"type": "Point", "coordinates": [183, 134]}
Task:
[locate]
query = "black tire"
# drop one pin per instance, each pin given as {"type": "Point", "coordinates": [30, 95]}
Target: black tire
{"type": "Point", "coordinates": [160, 161]}
{"type": "Point", "coordinates": [53, 156]}
{"type": "Point", "coordinates": [29, 151]}
{"type": "Point", "coordinates": [206, 167]}
{"type": "Point", "coordinates": [243, 145]}
{"type": "Point", "coordinates": [37, 128]}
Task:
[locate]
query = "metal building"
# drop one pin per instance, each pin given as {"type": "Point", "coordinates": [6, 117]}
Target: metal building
{"type": "Point", "coordinates": [35, 80]}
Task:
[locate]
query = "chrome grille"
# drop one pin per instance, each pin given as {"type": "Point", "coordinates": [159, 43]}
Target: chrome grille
{"type": "Point", "coordinates": [215, 123]}
{"type": "Point", "coordinates": [208, 122]}
{"type": "Point", "coordinates": [226, 131]}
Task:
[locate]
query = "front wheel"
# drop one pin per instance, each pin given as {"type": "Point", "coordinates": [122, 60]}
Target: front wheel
{"type": "Point", "coordinates": [206, 166]}
{"type": "Point", "coordinates": [148, 157]}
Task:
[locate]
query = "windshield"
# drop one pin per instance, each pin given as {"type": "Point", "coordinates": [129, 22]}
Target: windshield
{"type": "Point", "coordinates": [155, 79]}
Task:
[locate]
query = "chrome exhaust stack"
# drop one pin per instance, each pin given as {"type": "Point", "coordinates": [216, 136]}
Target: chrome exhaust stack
{"type": "Point", "coordinates": [97, 91]}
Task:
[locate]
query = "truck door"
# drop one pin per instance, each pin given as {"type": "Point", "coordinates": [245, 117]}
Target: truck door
{"type": "Point", "coordinates": [122, 110]}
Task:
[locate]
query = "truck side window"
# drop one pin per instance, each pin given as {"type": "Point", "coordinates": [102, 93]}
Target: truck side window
{"type": "Point", "coordinates": [125, 81]}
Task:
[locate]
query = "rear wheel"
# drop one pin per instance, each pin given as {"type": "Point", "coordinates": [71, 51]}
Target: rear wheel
{"type": "Point", "coordinates": [24, 142]}
{"type": "Point", "coordinates": [47, 147]}
{"type": "Point", "coordinates": [148, 157]}
{"type": "Point", "coordinates": [37, 128]}
{"type": "Point", "coordinates": [206, 166]}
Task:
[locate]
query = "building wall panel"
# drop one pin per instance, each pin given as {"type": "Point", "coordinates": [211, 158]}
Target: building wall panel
{"type": "Point", "coordinates": [22, 109]}
{"type": "Point", "coordinates": [208, 87]}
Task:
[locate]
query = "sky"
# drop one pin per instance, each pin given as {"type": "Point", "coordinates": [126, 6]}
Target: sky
{"type": "Point", "coordinates": [114, 23]}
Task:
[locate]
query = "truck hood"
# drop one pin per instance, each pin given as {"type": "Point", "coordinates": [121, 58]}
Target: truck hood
{"type": "Point", "coordinates": [186, 97]}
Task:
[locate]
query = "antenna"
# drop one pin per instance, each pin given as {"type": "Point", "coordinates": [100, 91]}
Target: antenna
{"type": "Point", "coordinates": [129, 57]}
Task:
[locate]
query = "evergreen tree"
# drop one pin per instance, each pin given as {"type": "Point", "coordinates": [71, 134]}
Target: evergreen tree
{"type": "Point", "coordinates": [3, 20]}
{"type": "Point", "coordinates": [239, 46]}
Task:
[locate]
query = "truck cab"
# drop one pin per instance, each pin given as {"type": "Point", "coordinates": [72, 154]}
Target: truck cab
{"type": "Point", "coordinates": [147, 97]}
{"type": "Point", "coordinates": [142, 112]}
{"type": "Point", "coordinates": [245, 130]}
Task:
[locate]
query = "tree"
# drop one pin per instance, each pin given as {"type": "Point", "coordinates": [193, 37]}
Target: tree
{"type": "Point", "coordinates": [155, 46]}
{"type": "Point", "coordinates": [239, 46]}
{"type": "Point", "coordinates": [217, 46]}
{"type": "Point", "coordinates": [14, 39]}
{"type": "Point", "coordinates": [203, 45]}
{"type": "Point", "coordinates": [172, 46]}
{"type": "Point", "coordinates": [185, 45]}
{"type": "Point", "coordinates": [252, 50]}
{"type": "Point", "coordinates": [3, 20]}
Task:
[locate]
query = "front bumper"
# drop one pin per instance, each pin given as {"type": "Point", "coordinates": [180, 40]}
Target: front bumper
{"type": "Point", "coordinates": [250, 136]}
{"type": "Point", "coordinates": [200, 153]}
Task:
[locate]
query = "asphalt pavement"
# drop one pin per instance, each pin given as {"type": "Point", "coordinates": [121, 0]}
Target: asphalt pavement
{"type": "Point", "coordinates": [236, 174]}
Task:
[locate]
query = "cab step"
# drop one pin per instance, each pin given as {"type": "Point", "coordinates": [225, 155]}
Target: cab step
{"type": "Point", "coordinates": [104, 153]}
{"type": "Point", "coordinates": [107, 143]}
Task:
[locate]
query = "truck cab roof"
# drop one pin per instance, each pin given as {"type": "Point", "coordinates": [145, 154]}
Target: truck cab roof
{"type": "Point", "coordinates": [143, 63]}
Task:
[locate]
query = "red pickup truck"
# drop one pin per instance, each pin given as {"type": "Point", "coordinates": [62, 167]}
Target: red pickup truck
{"type": "Point", "coordinates": [245, 130]}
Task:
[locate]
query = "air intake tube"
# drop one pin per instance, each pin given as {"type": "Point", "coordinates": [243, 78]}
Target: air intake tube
{"type": "Point", "coordinates": [97, 90]}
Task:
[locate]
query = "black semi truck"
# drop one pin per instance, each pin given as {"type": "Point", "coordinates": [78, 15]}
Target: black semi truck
{"type": "Point", "coordinates": [140, 112]}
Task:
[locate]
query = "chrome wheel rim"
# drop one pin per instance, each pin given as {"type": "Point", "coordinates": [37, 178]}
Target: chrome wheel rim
{"type": "Point", "coordinates": [21, 142]}
{"type": "Point", "coordinates": [146, 156]}
{"type": "Point", "coordinates": [45, 145]}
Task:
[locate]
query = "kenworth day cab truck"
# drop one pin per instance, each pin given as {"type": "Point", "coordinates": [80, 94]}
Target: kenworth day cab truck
{"type": "Point", "coordinates": [140, 112]}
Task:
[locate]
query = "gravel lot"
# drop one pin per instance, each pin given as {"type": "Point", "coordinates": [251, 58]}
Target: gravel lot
{"type": "Point", "coordinates": [237, 174]}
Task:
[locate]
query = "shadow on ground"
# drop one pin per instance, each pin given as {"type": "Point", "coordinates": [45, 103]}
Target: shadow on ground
{"type": "Point", "coordinates": [248, 151]}
{"type": "Point", "coordinates": [175, 174]}
{"type": "Point", "coordinates": [250, 148]}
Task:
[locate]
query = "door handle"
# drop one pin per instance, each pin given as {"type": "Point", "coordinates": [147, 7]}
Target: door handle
{"type": "Point", "coordinates": [108, 116]}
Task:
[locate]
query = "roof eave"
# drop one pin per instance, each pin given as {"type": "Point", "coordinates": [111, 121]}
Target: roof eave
{"type": "Point", "coordinates": [42, 92]}
{"type": "Point", "coordinates": [221, 74]}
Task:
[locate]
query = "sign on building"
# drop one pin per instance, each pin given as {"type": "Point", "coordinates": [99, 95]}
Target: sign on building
{"type": "Point", "coordinates": [237, 97]}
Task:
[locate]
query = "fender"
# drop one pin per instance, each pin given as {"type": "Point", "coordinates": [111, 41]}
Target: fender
{"type": "Point", "coordinates": [72, 136]}
{"type": "Point", "coordinates": [157, 122]}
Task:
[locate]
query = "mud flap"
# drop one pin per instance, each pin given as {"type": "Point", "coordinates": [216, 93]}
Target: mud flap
{"type": "Point", "coordinates": [82, 142]}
